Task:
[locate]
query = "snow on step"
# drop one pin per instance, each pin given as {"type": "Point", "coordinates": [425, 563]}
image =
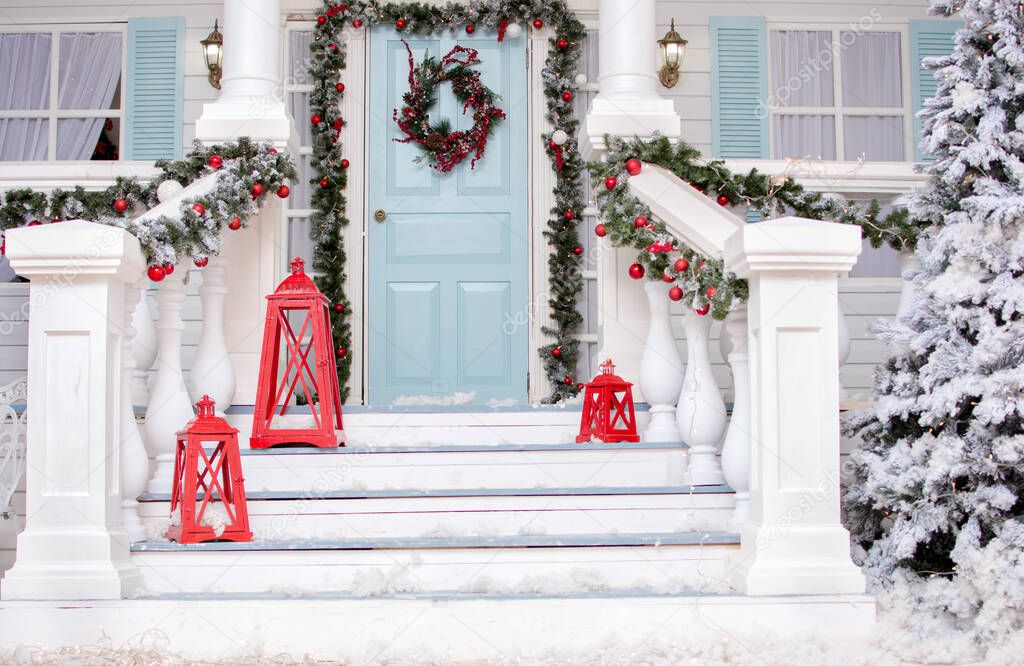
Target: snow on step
{"type": "Point", "coordinates": [551, 565]}
{"type": "Point", "coordinates": [482, 512]}
{"type": "Point", "coordinates": [508, 466]}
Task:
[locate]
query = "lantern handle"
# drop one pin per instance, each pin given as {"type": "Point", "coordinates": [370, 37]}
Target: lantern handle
{"type": "Point", "coordinates": [205, 406]}
{"type": "Point", "coordinates": [298, 266]}
{"type": "Point", "coordinates": [607, 367]}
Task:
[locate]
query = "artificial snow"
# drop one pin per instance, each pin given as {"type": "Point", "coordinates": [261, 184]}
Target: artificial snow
{"type": "Point", "coordinates": [454, 400]}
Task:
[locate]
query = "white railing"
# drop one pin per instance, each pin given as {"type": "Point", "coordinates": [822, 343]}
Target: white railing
{"type": "Point", "coordinates": [12, 441]}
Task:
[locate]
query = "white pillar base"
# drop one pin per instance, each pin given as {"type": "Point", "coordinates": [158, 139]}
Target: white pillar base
{"type": "Point", "coordinates": [131, 522]}
{"type": "Point", "coordinates": [163, 474]}
{"type": "Point", "coordinates": [89, 569]}
{"type": "Point", "coordinates": [794, 559]}
{"type": "Point", "coordinates": [662, 426]}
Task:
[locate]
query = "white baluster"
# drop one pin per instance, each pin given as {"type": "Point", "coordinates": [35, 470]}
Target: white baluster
{"type": "Point", "coordinates": [908, 263]}
{"type": "Point", "coordinates": [169, 406]}
{"type": "Point", "coordinates": [133, 457]}
{"type": "Point", "coordinates": [700, 413]}
{"type": "Point", "coordinates": [736, 447]}
{"type": "Point", "coordinates": [661, 368]}
{"type": "Point", "coordinates": [143, 347]}
{"type": "Point", "coordinates": [212, 373]}
{"type": "Point", "coordinates": [844, 349]}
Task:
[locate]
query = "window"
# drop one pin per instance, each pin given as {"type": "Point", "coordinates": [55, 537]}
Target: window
{"type": "Point", "coordinates": [839, 94]}
{"type": "Point", "coordinates": [61, 95]}
{"type": "Point", "coordinates": [297, 88]}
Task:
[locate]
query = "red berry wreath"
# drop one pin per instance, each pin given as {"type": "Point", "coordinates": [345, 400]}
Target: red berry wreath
{"type": "Point", "coordinates": [445, 147]}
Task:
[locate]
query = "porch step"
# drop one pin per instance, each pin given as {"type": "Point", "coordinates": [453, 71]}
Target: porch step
{"type": "Point", "coordinates": [468, 466]}
{"type": "Point", "coordinates": [537, 564]}
{"type": "Point", "coordinates": [484, 512]}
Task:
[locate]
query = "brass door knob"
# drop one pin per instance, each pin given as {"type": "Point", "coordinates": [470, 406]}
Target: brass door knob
{"type": "Point", "coordinates": [380, 215]}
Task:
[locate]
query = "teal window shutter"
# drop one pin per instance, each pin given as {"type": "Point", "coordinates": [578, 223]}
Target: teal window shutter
{"type": "Point", "coordinates": [927, 39]}
{"type": "Point", "coordinates": [739, 87]}
{"type": "Point", "coordinates": [153, 108]}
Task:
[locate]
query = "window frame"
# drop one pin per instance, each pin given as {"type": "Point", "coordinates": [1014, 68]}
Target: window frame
{"type": "Point", "coordinates": [839, 111]}
{"type": "Point", "coordinates": [53, 114]}
{"type": "Point", "coordinates": [290, 87]}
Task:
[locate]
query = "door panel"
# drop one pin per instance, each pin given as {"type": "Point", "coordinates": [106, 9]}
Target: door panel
{"type": "Point", "coordinates": [448, 265]}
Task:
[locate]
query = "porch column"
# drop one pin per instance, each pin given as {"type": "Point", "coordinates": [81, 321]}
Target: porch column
{"type": "Point", "coordinates": [629, 102]}
{"type": "Point", "coordinates": [252, 103]}
{"type": "Point", "coordinates": [74, 546]}
{"type": "Point", "coordinates": [794, 541]}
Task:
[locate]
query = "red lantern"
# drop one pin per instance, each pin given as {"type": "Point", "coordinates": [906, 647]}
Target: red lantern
{"type": "Point", "coordinates": [311, 367]}
{"type": "Point", "coordinates": [208, 472]}
{"type": "Point", "coordinates": [608, 409]}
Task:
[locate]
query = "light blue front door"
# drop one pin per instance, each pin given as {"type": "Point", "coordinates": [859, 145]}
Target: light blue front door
{"type": "Point", "coordinates": [448, 263]}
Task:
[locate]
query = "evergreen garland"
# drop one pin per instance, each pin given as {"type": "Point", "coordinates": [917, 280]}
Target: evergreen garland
{"type": "Point", "coordinates": [195, 230]}
{"type": "Point", "coordinates": [329, 163]}
{"type": "Point", "coordinates": [704, 281]}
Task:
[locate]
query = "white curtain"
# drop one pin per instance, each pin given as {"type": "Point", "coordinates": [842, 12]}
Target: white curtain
{"type": "Point", "coordinates": [802, 76]}
{"type": "Point", "coordinates": [90, 68]}
{"type": "Point", "coordinates": [24, 86]}
{"type": "Point", "coordinates": [874, 138]}
{"type": "Point", "coordinates": [872, 69]}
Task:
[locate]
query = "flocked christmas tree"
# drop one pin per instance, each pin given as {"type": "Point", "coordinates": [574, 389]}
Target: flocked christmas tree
{"type": "Point", "coordinates": [939, 488]}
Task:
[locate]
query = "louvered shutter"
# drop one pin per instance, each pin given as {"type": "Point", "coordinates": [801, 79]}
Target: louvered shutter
{"type": "Point", "coordinates": [154, 89]}
{"type": "Point", "coordinates": [739, 87]}
{"type": "Point", "coordinates": [927, 39]}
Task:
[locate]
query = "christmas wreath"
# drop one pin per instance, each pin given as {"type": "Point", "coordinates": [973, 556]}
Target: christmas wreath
{"type": "Point", "coordinates": [444, 147]}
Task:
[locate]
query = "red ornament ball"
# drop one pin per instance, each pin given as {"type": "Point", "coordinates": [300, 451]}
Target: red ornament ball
{"type": "Point", "coordinates": [610, 182]}
{"type": "Point", "coordinates": [120, 205]}
{"type": "Point", "coordinates": [470, 29]}
{"type": "Point", "coordinates": [697, 187]}
{"type": "Point", "coordinates": [704, 309]}
{"type": "Point", "coordinates": [568, 380]}
{"type": "Point", "coordinates": [315, 119]}
{"type": "Point", "coordinates": [201, 262]}
{"type": "Point", "coordinates": [338, 124]}
{"type": "Point", "coordinates": [333, 47]}
{"type": "Point", "coordinates": [168, 269]}
{"type": "Point", "coordinates": [341, 351]}
{"type": "Point", "coordinates": [36, 223]}
{"type": "Point", "coordinates": [321, 20]}
{"type": "Point", "coordinates": [537, 23]}
{"type": "Point", "coordinates": [283, 191]}
{"type": "Point", "coordinates": [675, 293]}
{"type": "Point", "coordinates": [339, 307]}
{"type": "Point", "coordinates": [357, 23]}
{"type": "Point", "coordinates": [580, 386]}
{"type": "Point", "coordinates": [400, 24]}
{"type": "Point", "coordinates": [600, 231]}
{"type": "Point", "coordinates": [633, 166]}
{"type": "Point", "coordinates": [569, 215]}
{"type": "Point", "coordinates": [636, 271]}
{"type": "Point", "coordinates": [235, 224]}
{"type": "Point", "coordinates": [723, 200]}
{"type": "Point", "coordinates": [577, 250]}
{"type": "Point", "coordinates": [566, 96]}
{"type": "Point", "coordinates": [199, 208]}
{"type": "Point", "coordinates": [156, 273]}
{"type": "Point", "coordinates": [216, 161]}
{"type": "Point", "coordinates": [563, 43]}
{"type": "Point", "coordinates": [344, 164]}
{"type": "Point", "coordinates": [324, 182]}
{"type": "Point", "coordinates": [640, 222]}
{"type": "Point", "coordinates": [681, 265]}
{"type": "Point", "coordinates": [556, 352]}
{"type": "Point", "coordinates": [667, 278]}
{"type": "Point", "coordinates": [340, 87]}
{"type": "Point", "coordinates": [257, 189]}
{"type": "Point", "coordinates": [711, 292]}
{"type": "Point", "coordinates": [271, 150]}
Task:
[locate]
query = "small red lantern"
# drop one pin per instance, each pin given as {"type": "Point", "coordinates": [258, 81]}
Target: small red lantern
{"type": "Point", "coordinates": [608, 409]}
{"type": "Point", "coordinates": [210, 476]}
{"type": "Point", "coordinates": [311, 366]}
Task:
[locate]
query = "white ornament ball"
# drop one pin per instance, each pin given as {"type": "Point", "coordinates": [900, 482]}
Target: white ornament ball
{"type": "Point", "coordinates": [559, 137]}
{"type": "Point", "coordinates": [513, 30]}
{"type": "Point", "coordinates": [168, 189]}
{"type": "Point", "coordinates": [581, 79]}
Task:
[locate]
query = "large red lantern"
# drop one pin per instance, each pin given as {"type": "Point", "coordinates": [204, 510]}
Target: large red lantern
{"type": "Point", "coordinates": [309, 365]}
{"type": "Point", "coordinates": [608, 409]}
{"type": "Point", "coordinates": [208, 472]}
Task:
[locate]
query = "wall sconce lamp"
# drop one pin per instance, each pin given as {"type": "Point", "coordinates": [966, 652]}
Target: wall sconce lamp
{"type": "Point", "coordinates": [213, 51]}
{"type": "Point", "coordinates": [673, 48]}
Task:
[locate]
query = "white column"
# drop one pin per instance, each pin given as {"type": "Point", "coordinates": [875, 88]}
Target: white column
{"type": "Point", "coordinates": [629, 102]}
{"type": "Point", "coordinates": [251, 101]}
{"type": "Point", "coordinates": [794, 542]}
{"type": "Point", "coordinates": [212, 373]}
{"type": "Point", "coordinates": [736, 446]}
{"type": "Point", "coordinates": [169, 406]}
{"type": "Point", "coordinates": [700, 411]}
{"type": "Point", "coordinates": [73, 546]}
{"type": "Point", "coordinates": [843, 350]}
{"type": "Point", "coordinates": [143, 346]}
{"type": "Point", "coordinates": [134, 459]}
{"type": "Point", "coordinates": [661, 368]}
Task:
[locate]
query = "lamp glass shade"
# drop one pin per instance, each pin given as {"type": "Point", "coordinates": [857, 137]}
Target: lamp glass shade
{"type": "Point", "coordinates": [213, 48]}
{"type": "Point", "coordinates": [672, 47]}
